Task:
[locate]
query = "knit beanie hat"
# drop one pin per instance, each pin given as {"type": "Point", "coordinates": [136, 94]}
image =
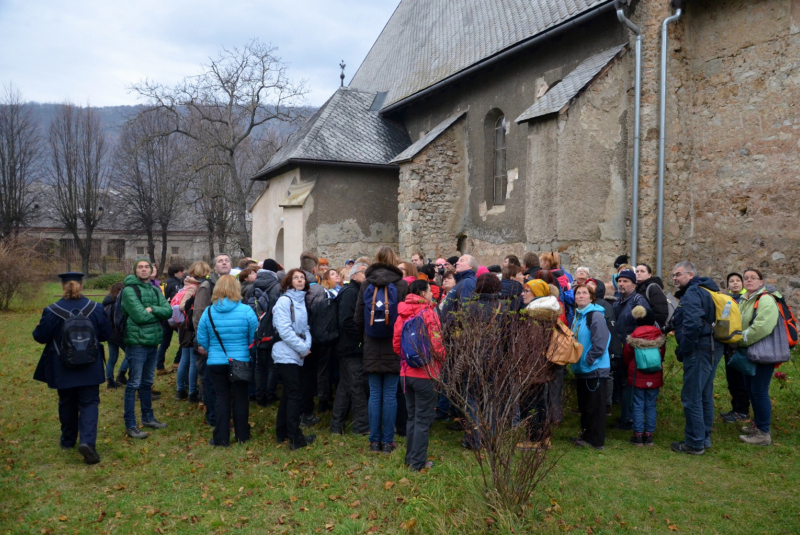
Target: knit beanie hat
{"type": "Point", "coordinates": [452, 260]}
{"type": "Point", "coordinates": [141, 259]}
{"type": "Point", "coordinates": [622, 259]}
{"type": "Point", "coordinates": [271, 265]}
{"type": "Point", "coordinates": [627, 274]}
{"type": "Point", "coordinates": [643, 316]}
{"type": "Point", "coordinates": [538, 287]}
{"type": "Point", "coordinates": [482, 270]}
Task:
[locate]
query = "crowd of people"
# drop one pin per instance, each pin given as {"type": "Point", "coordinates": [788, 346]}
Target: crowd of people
{"type": "Point", "coordinates": [349, 341]}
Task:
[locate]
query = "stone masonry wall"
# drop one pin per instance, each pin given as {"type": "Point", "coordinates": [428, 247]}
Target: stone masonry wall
{"type": "Point", "coordinates": [432, 196]}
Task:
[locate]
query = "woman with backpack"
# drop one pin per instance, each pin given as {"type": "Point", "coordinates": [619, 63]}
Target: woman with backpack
{"type": "Point", "coordinates": [643, 378]}
{"type": "Point", "coordinates": [115, 341]}
{"type": "Point", "coordinates": [418, 382]}
{"type": "Point", "coordinates": [225, 331]}
{"type": "Point", "coordinates": [71, 366]}
{"type": "Point", "coordinates": [375, 317]}
{"type": "Point", "coordinates": [290, 320]}
{"type": "Point", "coordinates": [740, 397]}
{"type": "Point", "coordinates": [592, 370]}
{"type": "Point", "coordinates": [187, 367]}
{"type": "Point", "coordinates": [652, 289]}
{"type": "Point", "coordinates": [764, 335]}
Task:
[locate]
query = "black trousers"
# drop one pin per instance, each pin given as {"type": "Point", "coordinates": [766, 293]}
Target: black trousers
{"type": "Point", "coordinates": [592, 404]}
{"type": "Point", "coordinates": [351, 395]}
{"type": "Point", "coordinates": [78, 411]}
{"type": "Point", "coordinates": [740, 398]}
{"type": "Point", "coordinates": [287, 425]}
{"type": "Point", "coordinates": [401, 420]}
{"type": "Point", "coordinates": [536, 401]}
{"type": "Point", "coordinates": [230, 397]}
{"type": "Point", "coordinates": [266, 376]}
{"type": "Point", "coordinates": [421, 398]}
{"type": "Point", "coordinates": [308, 379]}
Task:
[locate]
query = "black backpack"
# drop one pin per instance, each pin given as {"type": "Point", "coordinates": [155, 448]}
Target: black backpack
{"type": "Point", "coordinates": [323, 321]}
{"type": "Point", "coordinates": [266, 334]}
{"type": "Point", "coordinates": [79, 347]}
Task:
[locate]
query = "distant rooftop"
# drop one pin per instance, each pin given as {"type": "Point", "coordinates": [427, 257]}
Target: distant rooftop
{"type": "Point", "coordinates": [346, 129]}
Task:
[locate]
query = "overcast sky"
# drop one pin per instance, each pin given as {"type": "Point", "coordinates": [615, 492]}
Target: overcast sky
{"type": "Point", "coordinates": [92, 51]}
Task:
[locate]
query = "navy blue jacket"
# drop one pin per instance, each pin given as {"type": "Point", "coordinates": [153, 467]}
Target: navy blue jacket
{"type": "Point", "coordinates": [461, 292]}
{"type": "Point", "coordinates": [48, 332]}
{"type": "Point", "coordinates": [694, 316]}
{"type": "Point", "coordinates": [626, 323]}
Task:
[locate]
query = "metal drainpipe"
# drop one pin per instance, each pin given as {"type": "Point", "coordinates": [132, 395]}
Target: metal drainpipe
{"type": "Point", "coordinates": [637, 115]}
{"type": "Point", "coordinates": [662, 128]}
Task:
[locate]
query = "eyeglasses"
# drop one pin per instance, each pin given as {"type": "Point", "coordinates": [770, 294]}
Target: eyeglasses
{"type": "Point", "coordinates": [678, 274]}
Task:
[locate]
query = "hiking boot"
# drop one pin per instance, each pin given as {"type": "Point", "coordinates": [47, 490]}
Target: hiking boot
{"type": "Point", "coordinates": [193, 398]}
{"type": "Point", "coordinates": [181, 395]}
{"type": "Point", "coordinates": [733, 417]}
{"type": "Point", "coordinates": [90, 455]}
{"type": "Point", "coordinates": [637, 439]}
{"type": "Point", "coordinates": [309, 420]}
{"type": "Point", "coordinates": [681, 447]}
{"type": "Point", "coordinates": [375, 447]}
{"type": "Point", "coordinates": [110, 384]}
{"type": "Point", "coordinates": [309, 439]}
{"type": "Point", "coordinates": [135, 432]}
{"type": "Point", "coordinates": [121, 379]}
{"type": "Point", "coordinates": [759, 438]}
{"type": "Point", "coordinates": [583, 444]}
{"type": "Point", "coordinates": [154, 424]}
{"type": "Point", "coordinates": [389, 447]}
{"type": "Point", "coordinates": [648, 439]}
{"type": "Point", "coordinates": [749, 429]}
{"type": "Point", "coordinates": [164, 371]}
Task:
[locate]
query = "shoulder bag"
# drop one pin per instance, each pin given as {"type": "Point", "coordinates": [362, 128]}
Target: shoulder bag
{"type": "Point", "coordinates": [238, 370]}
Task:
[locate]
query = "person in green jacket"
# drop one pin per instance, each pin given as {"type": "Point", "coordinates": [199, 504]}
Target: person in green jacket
{"type": "Point", "coordinates": [144, 307]}
{"type": "Point", "coordinates": [756, 327]}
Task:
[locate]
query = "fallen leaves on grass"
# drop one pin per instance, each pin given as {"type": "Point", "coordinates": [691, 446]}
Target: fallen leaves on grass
{"type": "Point", "coordinates": [388, 485]}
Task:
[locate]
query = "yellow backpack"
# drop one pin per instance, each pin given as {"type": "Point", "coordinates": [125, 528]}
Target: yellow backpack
{"type": "Point", "coordinates": [727, 327]}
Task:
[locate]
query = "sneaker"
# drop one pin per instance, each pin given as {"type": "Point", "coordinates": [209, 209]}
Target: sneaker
{"type": "Point", "coordinates": [111, 384]}
{"type": "Point", "coordinates": [681, 447]}
{"type": "Point", "coordinates": [759, 438]}
{"type": "Point", "coordinates": [89, 454]}
{"type": "Point", "coordinates": [734, 417]}
{"type": "Point", "coordinates": [749, 429]}
{"type": "Point", "coordinates": [724, 414]}
{"type": "Point", "coordinates": [154, 424]}
{"type": "Point", "coordinates": [389, 447]}
{"type": "Point", "coordinates": [181, 395]}
{"type": "Point", "coordinates": [309, 420]}
{"type": "Point", "coordinates": [121, 379]}
{"type": "Point", "coordinates": [193, 398]}
{"type": "Point", "coordinates": [135, 432]}
{"type": "Point", "coordinates": [648, 439]}
{"type": "Point", "coordinates": [309, 439]}
{"type": "Point", "coordinates": [375, 447]}
{"type": "Point", "coordinates": [583, 444]}
{"type": "Point", "coordinates": [637, 439]}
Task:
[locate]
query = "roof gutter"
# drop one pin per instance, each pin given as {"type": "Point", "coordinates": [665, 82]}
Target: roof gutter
{"type": "Point", "coordinates": [302, 161]}
{"type": "Point", "coordinates": [524, 45]}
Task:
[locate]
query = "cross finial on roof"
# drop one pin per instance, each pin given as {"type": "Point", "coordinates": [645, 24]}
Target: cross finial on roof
{"type": "Point", "coordinates": [341, 76]}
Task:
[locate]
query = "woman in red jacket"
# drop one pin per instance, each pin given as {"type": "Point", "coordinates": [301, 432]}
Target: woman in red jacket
{"type": "Point", "coordinates": [645, 337]}
{"type": "Point", "coordinates": [419, 384]}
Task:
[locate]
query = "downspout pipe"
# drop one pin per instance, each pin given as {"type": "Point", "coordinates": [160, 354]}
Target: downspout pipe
{"type": "Point", "coordinates": [662, 135]}
{"type": "Point", "coordinates": [637, 119]}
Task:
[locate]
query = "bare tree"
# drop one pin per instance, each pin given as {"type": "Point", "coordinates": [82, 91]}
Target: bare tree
{"type": "Point", "coordinates": [78, 167]}
{"type": "Point", "coordinates": [20, 161]}
{"type": "Point", "coordinates": [153, 169]}
{"type": "Point", "coordinates": [212, 200]}
{"type": "Point", "coordinates": [229, 102]}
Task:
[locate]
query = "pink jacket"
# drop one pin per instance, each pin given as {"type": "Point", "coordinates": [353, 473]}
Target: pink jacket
{"type": "Point", "coordinates": [412, 306]}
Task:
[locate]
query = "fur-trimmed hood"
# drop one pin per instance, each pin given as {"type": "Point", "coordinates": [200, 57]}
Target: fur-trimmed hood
{"type": "Point", "coordinates": [545, 308]}
{"type": "Point", "coordinates": [646, 337]}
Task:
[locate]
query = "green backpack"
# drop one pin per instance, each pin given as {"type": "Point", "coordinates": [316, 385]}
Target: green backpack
{"type": "Point", "coordinates": [648, 360]}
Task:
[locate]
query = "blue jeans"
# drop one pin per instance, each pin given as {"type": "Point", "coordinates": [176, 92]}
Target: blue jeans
{"type": "Point", "coordinates": [382, 406]}
{"type": "Point", "coordinates": [113, 355]}
{"type": "Point", "coordinates": [644, 410]}
{"type": "Point", "coordinates": [697, 395]}
{"type": "Point", "coordinates": [187, 370]}
{"type": "Point", "coordinates": [142, 363]}
{"type": "Point", "coordinates": [758, 388]}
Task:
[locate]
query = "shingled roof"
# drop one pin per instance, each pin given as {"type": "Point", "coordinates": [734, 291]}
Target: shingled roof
{"type": "Point", "coordinates": [428, 41]}
{"type": "Point", "coordinates": [344, 130]}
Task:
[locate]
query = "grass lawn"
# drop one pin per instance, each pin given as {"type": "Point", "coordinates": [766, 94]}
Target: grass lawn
{"type": "Point", "coordinates": [173, 482]}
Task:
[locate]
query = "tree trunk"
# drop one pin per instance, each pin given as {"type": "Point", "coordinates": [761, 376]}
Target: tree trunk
{"type": "Point", "coordinates": [211, 254]}
{"type": "Point", "coordinates": [85, 249]}
{"type": "Point", "coordinates": [163, 248]}
{"type": "Point", "coordinates": [151, 244]}
{"type": "Point", "coordinates": [240, 203]}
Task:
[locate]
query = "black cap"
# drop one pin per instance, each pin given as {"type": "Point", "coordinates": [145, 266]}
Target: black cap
{"type": "Point", "coordinates": [621, 259]}
{"type": "Point", "coordinates": [71, 276]}
{"type": "Point", "coordinates": [271, 265]}
{"type": "Point", "coordinates": [452, 260]}
{"type": "Point", "coordinates": [495, 269]}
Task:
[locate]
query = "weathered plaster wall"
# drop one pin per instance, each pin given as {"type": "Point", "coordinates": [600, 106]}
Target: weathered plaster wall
{"type": "Point", "coordinates": [350, 211]}
{"type": "Point", "coordinates": [267, 214]}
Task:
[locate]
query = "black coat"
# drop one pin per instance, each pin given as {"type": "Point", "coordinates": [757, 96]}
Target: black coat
{"type": "Point", "coordinates": [379, 355]}
{"type": "Point", "coordinates": [657, 299]}
{"type": "Point", "coordinates": [350, 338]}
{"type": "Point", "coordinates": [172, 287]}
{"type": "Point", "coordinates": [615, 345]}
{"type": "Point", "coordinates": [48, 332]}
{"type": "Point", "coordinates": [115, 337]}
{"type": "Point", "coordinates": [510, 289]}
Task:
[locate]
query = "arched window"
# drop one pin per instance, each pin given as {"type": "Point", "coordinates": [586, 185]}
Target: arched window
{"type": "Point", "coordinates": [499, 167]}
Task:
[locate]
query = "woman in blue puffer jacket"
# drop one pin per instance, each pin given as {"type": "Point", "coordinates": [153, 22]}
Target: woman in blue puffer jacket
{"type": "Point", "coordinates": [290, 320]}
{"type": "Point", "coordinates": [592, 370]}
{"type": "Point", "coordinates": [224, 332]}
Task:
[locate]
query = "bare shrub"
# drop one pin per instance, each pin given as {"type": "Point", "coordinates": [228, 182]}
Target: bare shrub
{"type": "Point", "coordinates": [495, 363]}
{"type": "Point", "coordinates": [23, 269]}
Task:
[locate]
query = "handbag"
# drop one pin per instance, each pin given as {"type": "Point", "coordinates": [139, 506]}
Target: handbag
{"type": "Point", "coordinates": [773, 348]}
{"type": "Point", "coordinates": [564, 349]}
{"type": "Point", "coordinates": [238, 370]}
{"type": "Point", "coordinates": [741, 363]}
